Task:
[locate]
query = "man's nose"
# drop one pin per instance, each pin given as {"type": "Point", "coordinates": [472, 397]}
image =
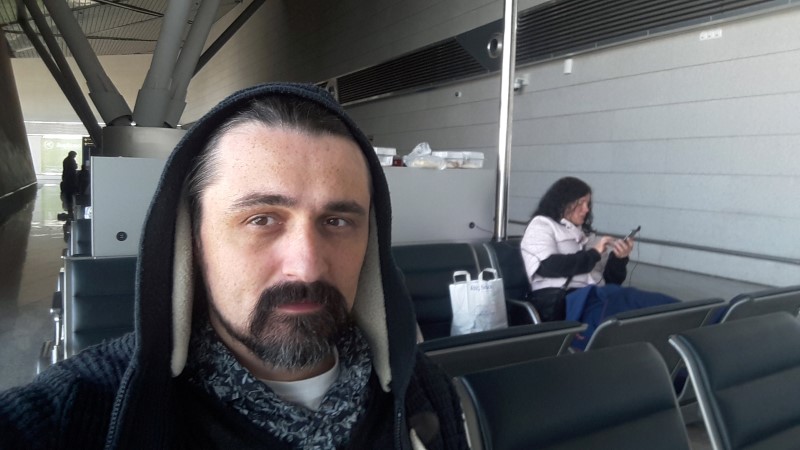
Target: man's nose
{"type": "Point", "coordinates": [304, 257]}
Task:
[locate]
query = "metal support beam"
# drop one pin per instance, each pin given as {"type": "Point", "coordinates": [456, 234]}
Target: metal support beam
{"type": "Point", "coordinates": [57, 64]}
{"type": "Point", "coordinates": [107, 99]}
{"type": "Point", "coordinates": [151, 103]}
{"type": "Point", "coordinates": [506, 117]}
{"type": "Point", "coordinates": [227, 34]}
{"type": "Point", "coordinates": [190, 53]}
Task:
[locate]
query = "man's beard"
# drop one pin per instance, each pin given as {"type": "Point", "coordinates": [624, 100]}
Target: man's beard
{"type": "Point", "coordinates": [293, 341]}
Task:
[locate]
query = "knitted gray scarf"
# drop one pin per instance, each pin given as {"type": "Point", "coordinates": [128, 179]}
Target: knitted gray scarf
{"type": "Point", "coordinates": [213, 368]}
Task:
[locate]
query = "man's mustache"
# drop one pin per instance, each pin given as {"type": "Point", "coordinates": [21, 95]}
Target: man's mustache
{"type": "Point", "coordinates": [297, 291]}
{"type": "Point", "coordinates": [320, 292]}
{"type": "Point", "coordinates": [297, 340]}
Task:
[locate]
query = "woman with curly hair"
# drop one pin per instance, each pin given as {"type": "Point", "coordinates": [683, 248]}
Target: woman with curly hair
{"type": "Point", "coordinates": [565, 260]}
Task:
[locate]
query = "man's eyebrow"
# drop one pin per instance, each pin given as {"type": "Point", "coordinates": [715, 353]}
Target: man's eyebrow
{"type": "Point", "coordinates": [346, 206]}
{"type": "Point", "coordinates": [256, 199]}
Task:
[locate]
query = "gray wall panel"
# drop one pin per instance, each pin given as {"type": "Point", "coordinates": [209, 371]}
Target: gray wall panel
{"type": "Point", "coordinates": [673, 86]}
{"type": "Point", "coordinates": [435, 117]}
{"type": "Point", "coordinates": [693, 140]}
{"type": "Point", "coordinates": [775, 155]}
{"type": "Point", "coordinates": [472, 138]}
{"type": "Point", "coordinates": [467, 121]}
{"type": "Point", "coordinates": [696, 141]}
{"type": "Point", "coordinates": [16, 166]}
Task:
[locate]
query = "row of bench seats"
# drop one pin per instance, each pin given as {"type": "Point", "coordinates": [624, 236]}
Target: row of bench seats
{"type": "Point", "coordinates": [101, 300]}
{"type": "Point", "coordinates": [464, 354]}
{"type": "Point", "coordinates": [622, 393]}
{"type": "Point", "coordinates": [745, 372]}
{"type": "Point", "coordinates": [98, 298]}
{"type": "Point", "coordinates": [98, 305]}
{"type": "Point", "coordinates": [93, 300]}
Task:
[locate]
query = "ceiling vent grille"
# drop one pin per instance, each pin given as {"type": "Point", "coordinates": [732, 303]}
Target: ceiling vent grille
{"type": "Point", "coordinates": [443, 61]}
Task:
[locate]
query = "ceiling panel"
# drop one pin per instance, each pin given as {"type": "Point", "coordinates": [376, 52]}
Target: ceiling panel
{"type": "Point", "coordinates": [113, 27]}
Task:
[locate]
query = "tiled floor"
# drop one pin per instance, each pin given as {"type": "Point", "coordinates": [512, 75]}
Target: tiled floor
{"type": "Point", "coordinates": [31, 242]}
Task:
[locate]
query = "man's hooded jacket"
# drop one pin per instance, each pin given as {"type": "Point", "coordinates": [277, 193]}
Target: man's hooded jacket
{"type": "Point", "coordinates": [126, 394]}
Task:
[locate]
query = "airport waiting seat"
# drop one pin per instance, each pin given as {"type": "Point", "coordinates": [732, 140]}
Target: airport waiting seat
{"type": "Point", "coordinates": [505, 257]}
{"type": "Point", "coordinates": [616, 398]}
{"type": "Point", "coordinates": [654, 325]}
{"type": "Point", "coordinates": [473, 352]}
{"type": "Point", "coordinates": [98, 300]}
{"type": "Point", "coordinates": [80, 238]}
{"type": "Point", "coordinates": [745, 374]}
{"type": "Point", "coordinates": [763, 302]}
{"type": "Point", "coordinates": [51, 350]}
{"type": "Point", "coordinates": [428, 272]}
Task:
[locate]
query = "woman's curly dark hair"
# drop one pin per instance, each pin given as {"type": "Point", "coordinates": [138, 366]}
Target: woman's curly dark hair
{"type": "Point", "coordinates": [560, 196]}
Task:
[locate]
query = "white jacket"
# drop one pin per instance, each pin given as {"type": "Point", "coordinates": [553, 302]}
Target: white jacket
{"type": "Point", "coordinates": [545, 237]}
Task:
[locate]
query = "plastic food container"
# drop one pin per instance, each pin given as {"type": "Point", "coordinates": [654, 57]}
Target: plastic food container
{"type": "Point", "coordinates": [472, 160]}
{"type": "Point", "coordinates": [385, 155]}
{"type": "Point", "coordinates": [453, 160]}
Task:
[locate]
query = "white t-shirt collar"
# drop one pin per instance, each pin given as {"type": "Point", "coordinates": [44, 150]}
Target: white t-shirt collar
{"type": "Point", "coordinates": [309, 392]}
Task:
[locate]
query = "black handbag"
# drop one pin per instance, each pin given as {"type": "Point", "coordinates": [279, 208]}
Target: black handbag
{"type": "Point", "coordinates": [550, 303]}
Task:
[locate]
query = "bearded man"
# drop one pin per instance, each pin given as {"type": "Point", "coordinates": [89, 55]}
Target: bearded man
{"type": "Point", "coordinates": [270, 313]}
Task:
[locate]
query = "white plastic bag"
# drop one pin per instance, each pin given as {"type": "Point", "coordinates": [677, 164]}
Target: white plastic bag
{"type": "Point", "coordinates": [422, 157]}
{"type": "Point", "coordinates": [478, 305]}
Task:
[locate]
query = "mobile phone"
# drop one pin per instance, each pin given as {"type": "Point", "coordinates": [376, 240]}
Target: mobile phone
{"type": "Point", "coordinates": [632, 233]}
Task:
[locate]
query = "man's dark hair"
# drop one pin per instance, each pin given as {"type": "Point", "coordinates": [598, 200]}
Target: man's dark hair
{"type": "Point", "coordinates": [274, 112]}
{"type": "Point", "coordinates": [560, 196]}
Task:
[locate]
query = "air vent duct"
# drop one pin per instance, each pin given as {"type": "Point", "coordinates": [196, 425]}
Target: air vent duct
{"type": "Point", "coordinates": [443, 61]}
{"type": "Point", "coordinates": [546, 31]}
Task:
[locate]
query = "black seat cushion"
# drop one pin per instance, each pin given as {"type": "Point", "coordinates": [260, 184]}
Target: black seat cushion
{"type": "Point", "coordinates": [746, 372]}
{"type": "Point", "coordinates": [428, 271]}
{"type": "Point", "coordinates": [618, 398]}
{"type": "Point", "coordinates": [510, 267]}
{"type": "Point", "coordinates": [495, 348]}
{"type": "Point", "coordinates": [101, 300]}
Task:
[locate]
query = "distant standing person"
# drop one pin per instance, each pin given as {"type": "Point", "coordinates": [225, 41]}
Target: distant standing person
{"type": "Point", "coordinates": [83, 180]}
{"type": "Point", "coordinates": [69, 176]}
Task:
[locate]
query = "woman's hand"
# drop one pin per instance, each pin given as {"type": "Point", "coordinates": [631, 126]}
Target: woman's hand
{"type": "Point", "coordinates": [622, 247]}
{"type": "Point", "coordinates": [602, 244]}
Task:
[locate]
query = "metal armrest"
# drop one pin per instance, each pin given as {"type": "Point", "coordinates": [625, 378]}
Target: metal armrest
{"type": "Point", "coordinates": [521, 312]}
{"type": "Point", "coordinates": [56, 313]}
{"type": "Point", "coordinates": [51, 351]}
{"type": "Point", "coordinates": [57, 303]}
